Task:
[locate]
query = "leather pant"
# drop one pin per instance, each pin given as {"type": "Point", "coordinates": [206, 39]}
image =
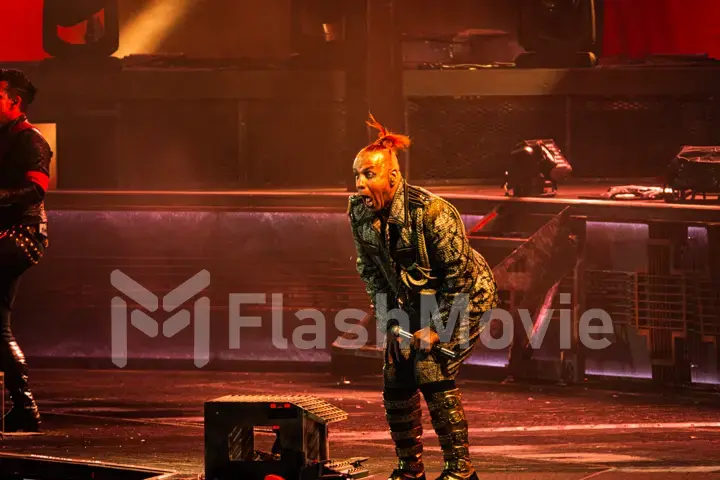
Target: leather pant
{"type": "Point", "coordinates": [21, 247]}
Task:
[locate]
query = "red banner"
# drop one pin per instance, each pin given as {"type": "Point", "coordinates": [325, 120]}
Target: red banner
{"type": "Point", "coordinates": [637, 28]}
{"type": "Point", "coordinates": [21, 35]}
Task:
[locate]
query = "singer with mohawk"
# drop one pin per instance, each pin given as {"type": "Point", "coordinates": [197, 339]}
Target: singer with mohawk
{"type": "Point", "coordinates": [411, 245]}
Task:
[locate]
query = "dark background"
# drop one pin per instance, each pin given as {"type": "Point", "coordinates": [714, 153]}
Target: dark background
{"type": "Point", "coordinates": [260, 28]}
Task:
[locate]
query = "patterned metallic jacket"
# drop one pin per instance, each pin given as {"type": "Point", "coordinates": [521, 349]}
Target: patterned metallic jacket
{"type": "Point", "coordinates": [422, 250]}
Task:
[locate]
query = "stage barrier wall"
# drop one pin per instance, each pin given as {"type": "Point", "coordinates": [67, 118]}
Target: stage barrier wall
{"type": "Point", "coordinates": [63, 309]}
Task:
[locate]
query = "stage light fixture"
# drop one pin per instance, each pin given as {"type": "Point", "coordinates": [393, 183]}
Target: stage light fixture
{"type": "Point", "coordinates": [301, 449]}
{"type": "Point", "coordinates": [534, 169]}
{"type": "Point", "coordinates": [81, 28]}
{"type": "Point", "coordinates": [694, 175]}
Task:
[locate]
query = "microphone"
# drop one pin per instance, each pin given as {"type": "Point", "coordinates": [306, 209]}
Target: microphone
{"type": "Point", "coordinates": [399, 332]}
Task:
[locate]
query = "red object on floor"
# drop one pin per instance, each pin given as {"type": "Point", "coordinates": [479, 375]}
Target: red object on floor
{"type": "Point", "coordinates": [273, 477]}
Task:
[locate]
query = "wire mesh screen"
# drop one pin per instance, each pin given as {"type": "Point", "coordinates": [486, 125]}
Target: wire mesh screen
{"type": "Point", "coordinates": [637, 136]}
{"type": "Point", "coordinates": [470, 138]}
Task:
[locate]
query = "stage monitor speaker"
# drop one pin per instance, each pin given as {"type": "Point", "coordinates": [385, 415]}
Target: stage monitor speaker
{"type": "Point", "coordinates": [694, 172]}
{"type": "Point", "coordinates": [559, 33]}
{"type": "Point", "coordinates": [535, 168]}
{"type": "Point", "coordinates": [81, 29]}
{"type": "Point", "coordinates": [300, 450]}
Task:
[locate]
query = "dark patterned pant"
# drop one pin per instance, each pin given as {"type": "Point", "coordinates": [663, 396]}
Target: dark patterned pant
{"type": "Point", "coordinates": [21, 247]}
{"type": "Point", "coordinates": [404, 381]}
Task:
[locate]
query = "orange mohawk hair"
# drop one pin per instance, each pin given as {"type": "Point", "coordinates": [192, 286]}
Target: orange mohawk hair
{"type": "Point", "coordinates": [393, 141]}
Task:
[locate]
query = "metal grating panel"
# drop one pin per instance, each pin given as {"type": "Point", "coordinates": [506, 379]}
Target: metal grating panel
{"type": "Point", "coordinates": [637, 136]}
{"type": "Point", "coordinates": [705, 306]}
{"type": "Point", "coordinates": [325, 412]}
{"type": "Point", "coordinates": [469, 138]}
{"type": "Point", "coordinates": [461, 138]}
{"type": "Point", "coordinates": [677, 303]}
{"type": "Point", "coordinates": [613, 292]}
{"type": "Point", "coordinates": [662, 303]}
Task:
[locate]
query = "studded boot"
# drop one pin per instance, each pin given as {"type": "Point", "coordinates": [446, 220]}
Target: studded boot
{"type": "Point", "coordinates": [404, 416]}
{"type": "Point", "coordinates": [24, 415]}
{"type": "Point", "coordinates": [450, 424]}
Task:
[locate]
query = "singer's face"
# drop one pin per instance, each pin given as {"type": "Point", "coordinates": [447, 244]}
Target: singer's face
{"type": "Point", "coordinates": [375, 179]}
{"type": "Point", "coordinates": [8, 110]}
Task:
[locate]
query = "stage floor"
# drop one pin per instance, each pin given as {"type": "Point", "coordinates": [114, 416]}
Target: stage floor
{"type": "Point", "coordinates": [584, 198]}
{"type": "Point", "coordinates": [154, 419]}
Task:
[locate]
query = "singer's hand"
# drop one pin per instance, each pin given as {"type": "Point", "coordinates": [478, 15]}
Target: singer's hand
{"type": "Point", "coordinates": [425, 340]}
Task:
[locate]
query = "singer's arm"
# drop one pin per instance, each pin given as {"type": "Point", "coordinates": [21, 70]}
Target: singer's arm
{"type": "Point", "coordinates": [375, 282]}
{"type": "Point", "coordinates": [35, 155]}
{"type": "Point", "coordinates": [466, 280]}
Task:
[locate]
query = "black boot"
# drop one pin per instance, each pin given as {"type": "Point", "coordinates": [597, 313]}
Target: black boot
{"type": "Point", "coordinates": [404, 416]}
{"type": "Point", "coordinates": [24, 415]}
{"type": "Point", "coordinates": [450, 424]}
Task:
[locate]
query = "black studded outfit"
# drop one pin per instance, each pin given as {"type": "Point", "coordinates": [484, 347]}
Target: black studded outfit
{"type": "Point", "coordinates": [420, 249]}
{"type": "Point", "coordinates": [24, 176]}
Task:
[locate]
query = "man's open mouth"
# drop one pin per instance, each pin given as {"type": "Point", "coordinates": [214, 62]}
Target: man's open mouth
{"type": "Point", "coordinates": [367, 201]}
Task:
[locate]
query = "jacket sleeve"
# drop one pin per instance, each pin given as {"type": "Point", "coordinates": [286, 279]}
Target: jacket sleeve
{"type": "Point", "coordinates": [464, 281]}
{"type": "Point", "coordinates": [375, 282]}
{"type": "Point", "coordinates": [35, 155]}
